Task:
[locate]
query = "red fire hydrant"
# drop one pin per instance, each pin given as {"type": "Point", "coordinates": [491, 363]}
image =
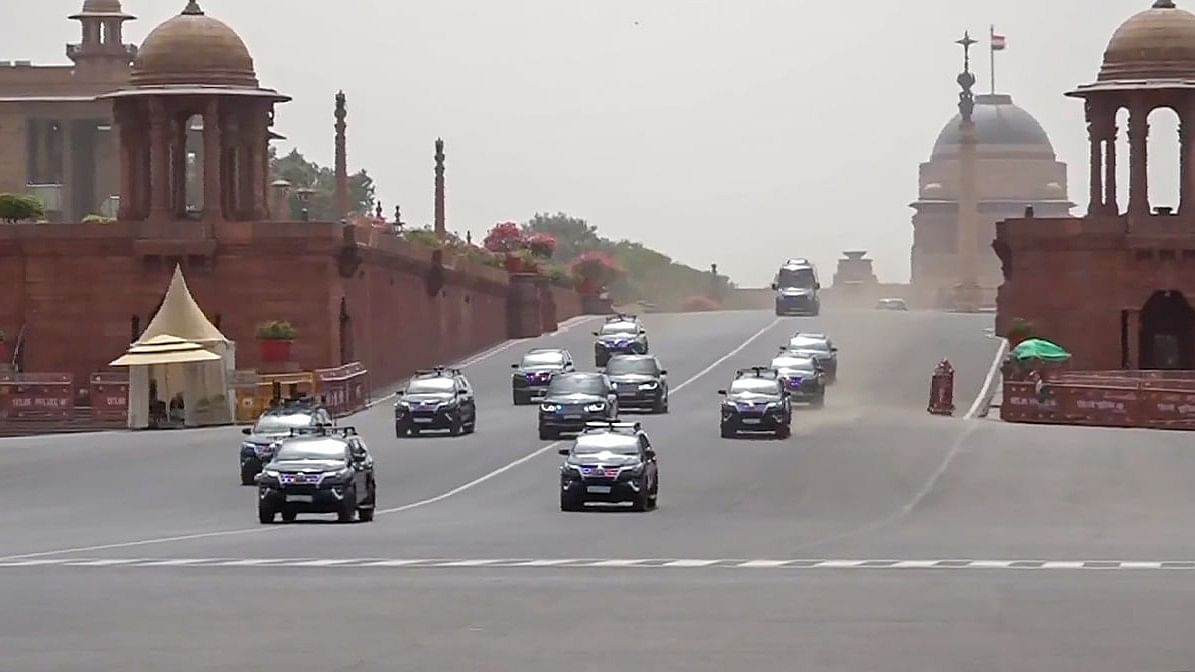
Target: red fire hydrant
{"type": "Point", "coordinates": [941, 389]}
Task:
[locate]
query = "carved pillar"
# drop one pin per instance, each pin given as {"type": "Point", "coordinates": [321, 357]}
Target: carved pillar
{"type": "Point", "coordinates": [1186, 134]}
{"type": "Point", "coordinates": [159, 161]}
{"type": "Point", "coordinates": [1111, 191]}
{"type": "Point", "coordinates": [1097, 135]}
{"type": "Point", "coordinates": [121, 123]}
{"type": "Point", "coordinates": [1138, 158]}
{"type": "Point", "coordinates": [141, 167]}
{"type": "Point", "coordinates": [212, 164]}
{"type": "Point", "coordinates": [178, 165]}
{"type": "Point", "coordinates": [69, 175]}
{"type": "Point", "coordinates": [257, 142]}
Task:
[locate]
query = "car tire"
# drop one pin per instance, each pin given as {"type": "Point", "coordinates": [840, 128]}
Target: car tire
{"type": "Point", "coordinates": [642, 501]}
{"type": "Point", "coordinates": [348, 508]}
{"type": "Point", "coordinates": [661, 406]}
{"type": "Point", "coordinates": [547, 435]}
{"type": "Point", "coordinates": [365, 515]}
{"type": "Point", "coordinates": [784, 431]}
{"type": "Point", "coordinates": [248, 477]}
{"type": "Point", "coordinates": [265, 514]}
{"type": "Point", "coordinates": [520, 399]}
{"type": "Point", "coordinates": [727, 432]}
{"type": "Point", "coordinates": [401, 431]}
{"type": "Point", "coordinates": [472, 426]}
{"type": "Point", "coordinates": [455, 427]}
{"type": "Point", "coordinates": [570, 503]}
{"type": "Point", "coordinates": [289, 516]}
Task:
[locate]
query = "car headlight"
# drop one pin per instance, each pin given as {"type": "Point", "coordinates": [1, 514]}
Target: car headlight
{"type": "Point", "coordinates": [247, 447]}
{"type": "Point", "coordinates": [270, 473]}
{"type": "Point", "coordinates": [549, 408]}
{"type": "Point", "coordinates": [633, 470]}
{"type": "Point", "coordinates": [402, 405]}
{"type": "Point", "coordinates": [569, 468]}
{"type": "Point", "coordinates": [649, 386]}
{"type": "Point", "coordinates": [339, 474]}
{"type": "Point", "coordinates": [448, 405]}
{"type": "Point", "coordinates": [599, 406]}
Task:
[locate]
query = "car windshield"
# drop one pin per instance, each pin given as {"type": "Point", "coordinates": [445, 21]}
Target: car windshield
{"type": "Point", "coordinates": [576, 385]}
{"type": "Point", "coordinates": [794, 363]}
{"type": "Point", "coordinates": [543, 359]}
{"type": "Point", "coordinates": [311, 450]}
{"type": "Point", "coordinates": [806, 343]}
{"type": "Point", "coordinates": [620, 366]}
{"type": "Point", "coordinates": [431, 386]}
{"type": "Point", "coordinates": [270, 424]}
{"type": "Point", "coordinates": [800, 278]}
{"type": "Point", "coordinates": [619, 328]}
{"type": "Point", "coordinates": [618, 445]}
{"type": "Point", "coordinates": [755, 386]}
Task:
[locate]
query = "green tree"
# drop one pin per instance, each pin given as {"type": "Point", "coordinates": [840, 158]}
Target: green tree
{"type": "Point", "coordinates": [21, 207]}
{"type": "Point", "coordinates": [574, 236]}
{"type": "Point", "coordinates": [321, 206]}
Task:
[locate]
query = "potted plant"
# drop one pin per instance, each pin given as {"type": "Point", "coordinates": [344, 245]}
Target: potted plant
{"type": "Point", "coordinates": [276, 338]}
{"type": "Point", "coordinates": [594, 270]}
{"type": "Point", "coordinates": [541, 246]}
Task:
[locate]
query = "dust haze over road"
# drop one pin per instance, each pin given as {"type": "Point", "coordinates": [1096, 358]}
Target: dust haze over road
{"type": "Point", "coordinates": [142, 551]}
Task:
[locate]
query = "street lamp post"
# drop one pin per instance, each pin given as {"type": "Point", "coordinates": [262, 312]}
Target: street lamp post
{"type": "Point", "coordinates": [304, 195]}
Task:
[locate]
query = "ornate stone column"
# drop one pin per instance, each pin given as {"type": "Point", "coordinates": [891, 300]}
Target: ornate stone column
{"type": "Point", "coordinates": [1096, 135]}
{"type": "Point", "coordinates": [69, 176]}
{"type": "Point", "coordinates": [122, 127]}
{"type": "Point", "coordinates": [159, 161]}
{"type": "Point", "coordinates": [1111, 191]}
{"type": "Point", "coordinates": [1138, 158]}
{"type": "Point", "coordinates": [1186, 135]}
{"type": "Point", "coordinates": [178, 165]}
{"type": "Point", "coordinates": [257, 142]}
{"type": "Point", "coordinates": [213, 174]}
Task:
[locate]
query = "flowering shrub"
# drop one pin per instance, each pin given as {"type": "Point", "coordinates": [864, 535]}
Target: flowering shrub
{"type": "Point", "coordinates": [542, 245]}
{"type": "Point", "coordinates": [595, 270]}
{"type": "Point", "coordinates": [504, 238]}
{"type": "Point", "coordinates": [699, 304]}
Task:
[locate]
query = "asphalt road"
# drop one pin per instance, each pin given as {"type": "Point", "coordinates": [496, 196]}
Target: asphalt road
{"type": "Point", "coordinates": [142, 550]}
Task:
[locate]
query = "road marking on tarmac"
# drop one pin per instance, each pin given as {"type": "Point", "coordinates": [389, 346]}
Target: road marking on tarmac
{"type": "Point", "coordinates": [615, 563]}
{"type": "Point", "coordinates": [398, 509]}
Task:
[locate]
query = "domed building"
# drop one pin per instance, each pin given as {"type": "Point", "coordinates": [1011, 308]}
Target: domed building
{"type": "Point", "coordinates": [1116, 286]}
{"type": "Point", "coordinates": [1016, 167]}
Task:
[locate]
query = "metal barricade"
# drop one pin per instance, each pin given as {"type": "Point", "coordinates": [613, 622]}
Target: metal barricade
{"type": "Point", "coordinates": [36, 396]}
{"type": "Point", "coordinates": [109, 394]}
{"type": "Point", "coordinates": [343, 389]}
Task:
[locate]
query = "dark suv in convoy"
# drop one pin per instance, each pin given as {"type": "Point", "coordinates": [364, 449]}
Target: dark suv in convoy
{"type": "Point", "coordinates": [436, 399]}
{"type": "Point", "coordinates": [818, 347]}
{"type": "Point", "coordinates": [639, 381]}
{"type": "Point", "coordinates": [756, 402]}
{"type": "Point", "coordinates": [621, 334]}
{"type": "Point", "coordinates": [321, 470]}
{"type": "Point", "coordinates": [609, 463]}
{"type": "Point", "coordinates": [532, 375]}
{"type": "Point", "coordinates": [802, 377]}
{"type": "Point", "coordinates": [796, 287]}
{"type": "Point", "coordinates": [261, 439]}
{"type": "Point", "coordinates": [574, 399]}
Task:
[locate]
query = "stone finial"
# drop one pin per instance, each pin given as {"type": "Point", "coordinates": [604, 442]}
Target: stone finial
{"type": "Point", "coordinates": [966, 80]}
{"type": "Point", "coordinates": [193, 9]}
{"type": "Point", "coordinates": [1164, 4]}
{"type": "Point", "coordinates": [378, 212]}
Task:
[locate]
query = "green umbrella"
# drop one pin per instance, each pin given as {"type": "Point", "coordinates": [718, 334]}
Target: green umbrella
{"type": "Point", "coordinates": [1036, 348]}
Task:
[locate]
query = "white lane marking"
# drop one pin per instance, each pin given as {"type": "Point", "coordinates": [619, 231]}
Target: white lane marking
{"type": "Point", "coordinates": [985, 393]}
{"type": "Point", "coordinates": [398, 509]}
{"type": "Point", "coordinates": [615, 563]}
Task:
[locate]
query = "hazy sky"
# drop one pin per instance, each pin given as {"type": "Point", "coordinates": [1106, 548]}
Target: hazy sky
{"type": "Point", "coordinates": [731, 131]}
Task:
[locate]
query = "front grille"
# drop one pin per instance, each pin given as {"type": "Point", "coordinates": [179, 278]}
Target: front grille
{"type": "Point", "coordinates": [300, 479]}
{"type": "Point", "coordinates": [598, 472]}
{"type": "Point", "coordinates": [300, 489]}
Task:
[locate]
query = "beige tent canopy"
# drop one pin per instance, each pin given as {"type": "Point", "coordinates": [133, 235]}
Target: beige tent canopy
{"type": "Point", "coordinates": [165, 349]}
{"type": "Point", "coordinates": [181, 352]}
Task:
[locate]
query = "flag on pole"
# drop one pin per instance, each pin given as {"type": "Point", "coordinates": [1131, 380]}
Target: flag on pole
{"type": "Point", "coordinates": [998, 42]}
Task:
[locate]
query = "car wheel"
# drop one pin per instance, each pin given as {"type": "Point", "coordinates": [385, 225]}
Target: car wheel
{"type": "Point", "coordinates": [727, 432]}
{"type": "Point", "coordinates": [365, 515]}
{"type": "Point", "coordinates": [348, 508]}
{"type": "Point", "coordinates": [547, 435]}
{"type": "Point", "coordinates": [454, 429]}
{"type": "Point", "coordinates": [265, 514]}
{"type": "Point", "coordinates": [289, 516]}
{"type": "Point", "coordinates": [472, 427]}
{"type": "Point", "coordinates": [641, 502]}
{"type": "Point", "coordinates": [784, 431]}
{"type": "Point", "coordinates": [570, 504]}
{"type": "Point", "coordinates": [248, 476]}
{"type": "Point", "coordinates": [401, 431]}
{"type": "Point", "coordinates": [519, 399]}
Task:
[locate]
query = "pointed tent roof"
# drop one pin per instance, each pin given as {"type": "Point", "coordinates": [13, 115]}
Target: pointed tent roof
{"type": "Point", "coordinates": [181, 317]}
{"type": "Point", "coordinates": [164, 349]}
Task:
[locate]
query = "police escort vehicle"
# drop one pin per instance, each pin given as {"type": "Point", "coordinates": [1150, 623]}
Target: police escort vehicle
{"type": "Point", "coordinates": [796, 287]}
{"type": "Point", "coordinates": [756, 402]}
{"type": "Point", "coordinates": [436, 399]}
{"type": "Point", "coordinates": [640, 382]}
{"type": "Point", "coordinates": [532, 375]}
{"type": "Point", "coordinates": [819, 347]}
{"type": "Point", "coordinates": [611, 462]}
{"type": "Point", "coordinates": [276, 423]}
{"type": "Point", "coordinates": [319, 470]}
{"type": "Point", "coordinates": [621, 334]}
{"type": "Point", "coordinates": [574, 399]}
{"type": "Point", "coordinates": [802, 377]}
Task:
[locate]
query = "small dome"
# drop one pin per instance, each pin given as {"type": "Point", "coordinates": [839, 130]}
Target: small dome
{"type": "Point", "coordinates": [193, 49]}
{"type": "Point", "coordinates": [102, 7]}
{"type": "Point", "coordinates": [1000, 127]}
{"type": "Point", "coordinates": [1158, 43]}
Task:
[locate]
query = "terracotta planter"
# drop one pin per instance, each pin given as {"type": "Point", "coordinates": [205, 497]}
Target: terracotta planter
{"type": "Point", "coordinates": [513, 264]}
{"type": "Point", "coordinates": [275, 351]}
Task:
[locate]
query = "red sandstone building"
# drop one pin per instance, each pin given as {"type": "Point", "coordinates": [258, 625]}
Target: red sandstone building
{"type": "Point", "coordinates": [1115, 286]}
{"type": "Point", "coordinates": [73, 297]}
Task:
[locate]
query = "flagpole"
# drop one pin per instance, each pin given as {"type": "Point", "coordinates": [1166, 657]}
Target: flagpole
{"type": "Point", "coordinates": [992, 52]}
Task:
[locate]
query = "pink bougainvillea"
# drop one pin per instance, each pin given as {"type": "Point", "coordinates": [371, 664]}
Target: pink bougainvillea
{"type": "Point", "coordinates": [505, 237]}
{"type": "Point", "coordinates": [594, 270]}
{"type": "Point", "coordinates": [542, 245]}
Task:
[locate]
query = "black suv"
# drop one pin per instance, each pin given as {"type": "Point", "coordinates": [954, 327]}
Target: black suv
{"type": "Point", "coordinates": [574, 399]}
{"type": "Point", "coordinates": [322, 470]}
{"type": "Point", "coordinates": [260, 440]}
{"type": "Point", "coordinates": [802, 377]}
{"type": "Point", "coordinates": [621, 334]}
{"type": "Point", "coordinates": [610, 462]}
{"type": "Point", "coordinates": [436, 399]}
{"type": "Point", "coordinates": [640, 382]}
{"type": "Point", "coordinates": [532, 375]}
{"type": "Point", "coordinates": [756, 402]}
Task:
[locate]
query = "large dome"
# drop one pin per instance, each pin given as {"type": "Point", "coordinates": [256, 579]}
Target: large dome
{"type": "Point", "coordinates": [1158, 43]}
{"type": "Point", "coordinates": [1000, 128]}
{"type": "Point", "coordinates": [194, 49]}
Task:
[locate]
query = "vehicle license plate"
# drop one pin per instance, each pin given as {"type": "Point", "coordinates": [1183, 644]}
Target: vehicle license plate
{"type": "Point", "coordinates": [598, 489]}
{"type": "Point", "coordinates": [424, 421]}
{"type": "Point", "coordinates": [300, 498]}
{"type": "Point", "coordinates": [750, 421]}
{"type": "Point", "coordinates": [572, 416]}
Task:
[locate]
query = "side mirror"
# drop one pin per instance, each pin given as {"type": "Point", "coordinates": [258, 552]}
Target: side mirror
{"type": "Point", "coordinates": [247, 431]}
{"type": "Point", "coordinates": [817, 285]}
{"type": "Point", "coordinates": [663, 372]}
{"type": "Point", "coordinates": [514, 366]}
{"type": "Point", "coordinates": [400, 393]}
{"type": "Point", "coordinates": [775, 286]}
{"type": "Point", "coordinates": [563, 451]}
{"type": "Point", "coordinates": [595, 333]}
{"type": "Point", "coordinates": [722, 392]}
{"type": "Point", "coordinates": [461, 393]}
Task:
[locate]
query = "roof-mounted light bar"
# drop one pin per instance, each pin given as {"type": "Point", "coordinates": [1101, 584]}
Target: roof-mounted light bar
{"type": "Point", "coordinates": [612, 425]}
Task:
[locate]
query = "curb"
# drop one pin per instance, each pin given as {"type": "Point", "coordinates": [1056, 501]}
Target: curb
{"type": "Point", "coordinates": [983, 402]}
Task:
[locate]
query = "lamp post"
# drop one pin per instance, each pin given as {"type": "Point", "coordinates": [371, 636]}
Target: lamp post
{"type": "Point", "coordinates": [281, 190]}
{"type": "Point", "coordinates": [304, 195]}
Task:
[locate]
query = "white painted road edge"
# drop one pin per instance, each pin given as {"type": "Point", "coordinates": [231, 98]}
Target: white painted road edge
{"type": "Point", "coordinates": [989, 384]}
{"type": "Point", "coordinates": [398, 509]}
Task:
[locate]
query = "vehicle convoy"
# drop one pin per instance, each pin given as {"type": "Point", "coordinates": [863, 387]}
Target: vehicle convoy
{"type": "Point", "coordinates": [818, 347]}
{"type": "Point", "coordinates": [532, 375]}
{"type": "Point", "coordinates": [318, 470]}
{"type": "Point", "coordinates": [756, 402]}
{"type": "Point", "coordinates": [640, 382]}
{"type": "Point", "coordinates": [260, 442]}
{"type": "Point", "coordinates": [574, 399]}
{"type": "Point", "coordinates": [802, 377]}
{"type": "Point", "coordinates": [610, 462]}
{"type": "Point", "coordinates": [621, 334]}
{"type": "Point", "coordinates": [436, 399]}
{"type": "Point", "coordinates": [796, 287]}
